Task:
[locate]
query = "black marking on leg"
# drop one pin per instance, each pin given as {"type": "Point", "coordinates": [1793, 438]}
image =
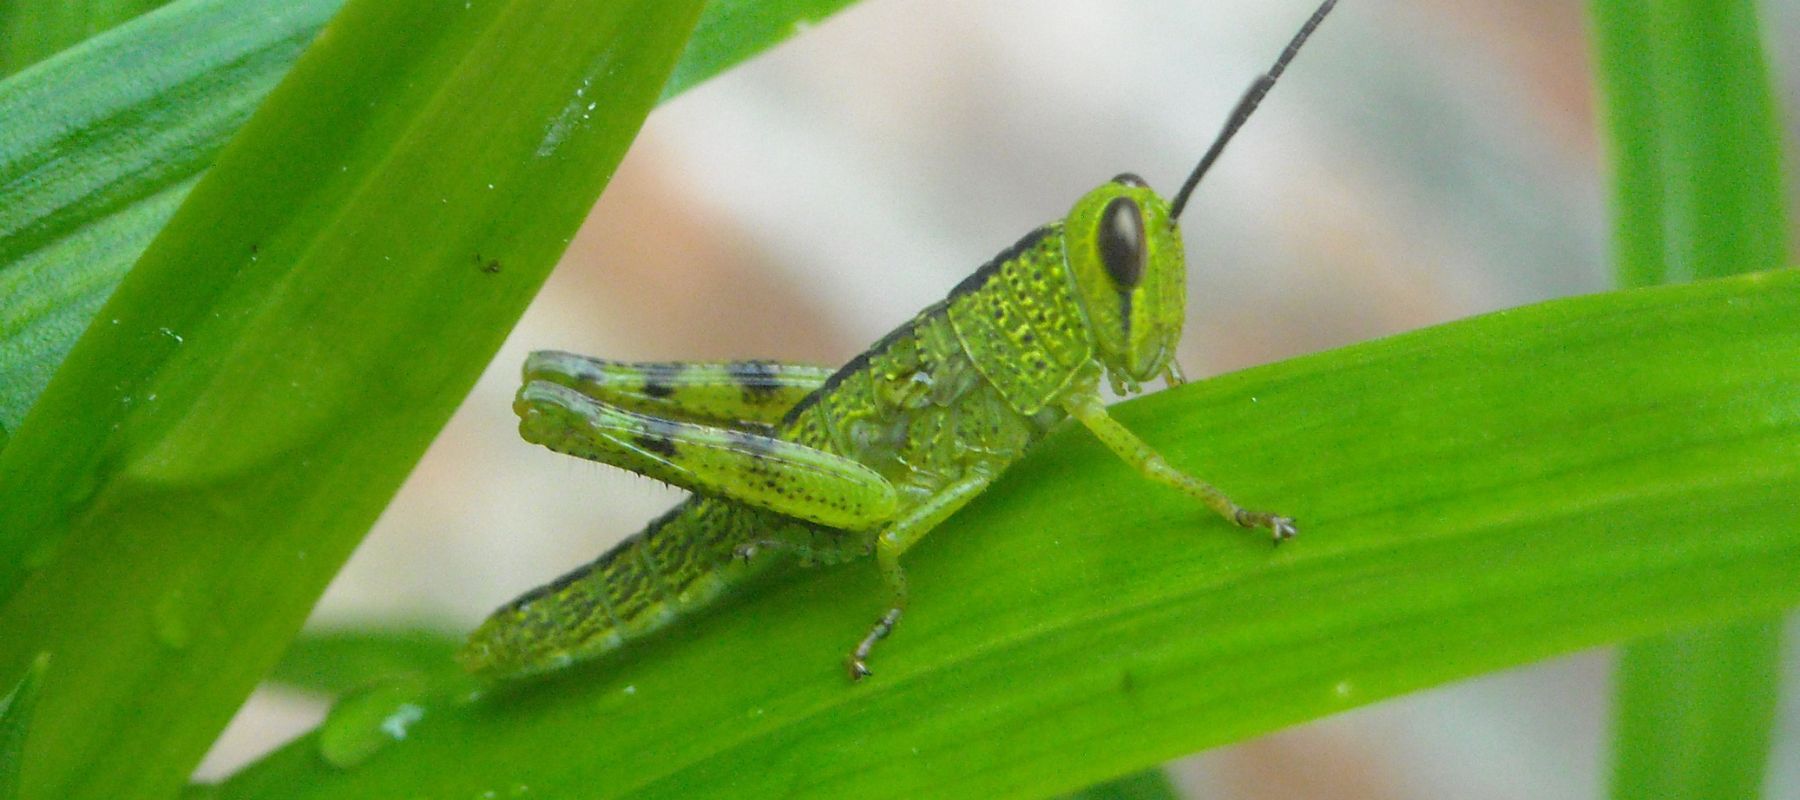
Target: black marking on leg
{"type": "Point", "coordinates": [760, 380]}
{"type": "Point", "coordinates": [750, 443]}
{"type": "Point", "coordinates": [661, 377]}
{"type": "Point", "coordinates": [655, 443]}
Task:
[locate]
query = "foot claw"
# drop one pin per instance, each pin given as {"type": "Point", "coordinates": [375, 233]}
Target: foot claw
{"type": "Point", "coordinates": [859, 670]}
{"type": "Point", "coordinates": [1279, 527]}
{"type": "Point", "coordinates": [859, 666]}
{"type": "Point", "coordinates": [1282, 528]}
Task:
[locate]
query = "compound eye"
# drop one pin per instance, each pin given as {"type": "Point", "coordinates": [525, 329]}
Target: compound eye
{"type": "Point", "coordinates": [1121, 240]}
{"type": "Point", "coordinates": [1130, 179]}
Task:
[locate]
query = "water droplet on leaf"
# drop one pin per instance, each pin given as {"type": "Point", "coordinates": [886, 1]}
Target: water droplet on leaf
{"type": "Point", "coordinates": [362, 724]}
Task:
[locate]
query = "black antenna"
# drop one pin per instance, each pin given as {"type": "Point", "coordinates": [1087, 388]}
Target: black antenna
{"type": "Point", "coordinates": [1245, 107]}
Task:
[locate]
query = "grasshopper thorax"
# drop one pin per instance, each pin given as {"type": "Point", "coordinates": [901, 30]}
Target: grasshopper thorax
{"type": "Point", "coordinates": [1131, 275]}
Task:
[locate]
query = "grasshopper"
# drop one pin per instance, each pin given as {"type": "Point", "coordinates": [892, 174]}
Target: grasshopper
{"type": "Point", "coordinates": [831, 465]}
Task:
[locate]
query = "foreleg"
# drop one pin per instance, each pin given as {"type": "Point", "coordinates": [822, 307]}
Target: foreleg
{"type": "Point", "coordinates": [1087, 408]}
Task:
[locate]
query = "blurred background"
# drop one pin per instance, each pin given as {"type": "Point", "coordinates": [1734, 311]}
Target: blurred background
{"type": "Point", "coordinates": [1422, 161]}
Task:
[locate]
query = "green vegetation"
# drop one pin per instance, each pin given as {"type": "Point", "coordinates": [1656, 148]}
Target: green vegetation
{"type": "Point", "coordinates": [227, 418]}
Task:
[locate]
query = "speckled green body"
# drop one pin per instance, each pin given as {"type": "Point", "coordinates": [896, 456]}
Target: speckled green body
{"type": "Point", "coordinates": [967, 384]}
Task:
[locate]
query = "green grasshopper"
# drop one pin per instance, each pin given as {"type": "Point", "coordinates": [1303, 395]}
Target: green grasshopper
{"type": "Point", "coordinates": [829, 466]}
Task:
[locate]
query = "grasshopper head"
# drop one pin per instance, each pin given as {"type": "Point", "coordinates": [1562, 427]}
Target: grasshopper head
{"type": "Point", "coordinates": [1126, 252]}
{"type": "Point", "coordinates": [1131, 274]}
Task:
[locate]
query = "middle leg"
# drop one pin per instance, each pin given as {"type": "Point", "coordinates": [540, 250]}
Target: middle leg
{"type": "Point", "coordinates": [895, 540]}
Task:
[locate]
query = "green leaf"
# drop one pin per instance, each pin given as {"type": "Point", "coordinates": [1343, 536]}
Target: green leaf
{"type": "Point", "coordinates": [1151, 784]}
{"type": "Point", "coordinates": [733, 30]}
{"type": "Point", "coordinates": [338, 662]}
{"type": "Point", "coordinates": [1472, 496]}
{"type": "Point", "coordinates": [102, 144]}
{"type": "Point", "coordinates": [1697, 192]}
{"type": "Point", "coordinates": [285, 349]}
{"type": "Point", "coordinates": [1695, 145]}
{"type": "Point", "coordinates": [32, 30]}
{"type": "Point", "coordinates": [1696, 712]}
{"type": "Point", "coordinates": [15, 722]}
